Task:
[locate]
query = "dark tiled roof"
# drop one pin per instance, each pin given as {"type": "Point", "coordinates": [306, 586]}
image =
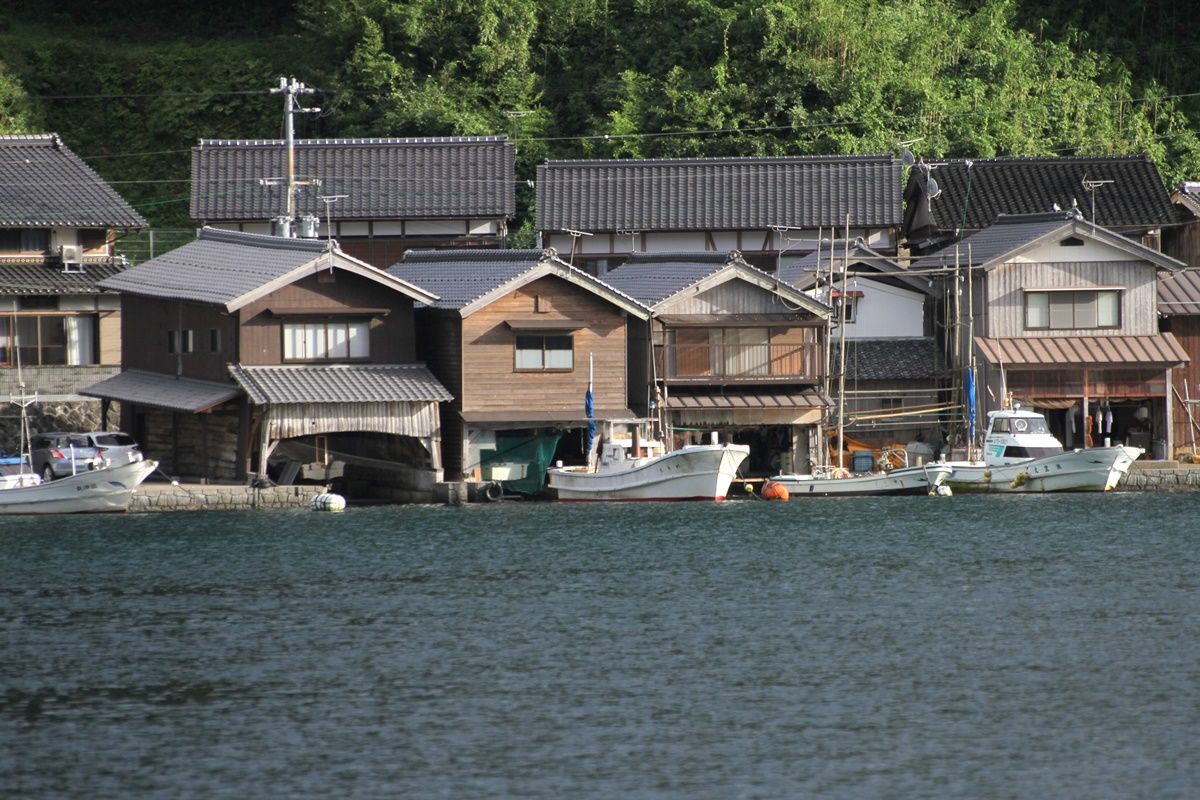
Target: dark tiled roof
{"type": "Point", "coordinates": [44, 184]}
{"type": "Point", "coordinates": [460, 277]}
{"type": "Point", "coordinates": [1011, 234]}
{"type": "Point", "coordinates": [889, 359]}
{"type": "Point", "coordinates": [434, 178]}
{"type": "Point", "coordinates": [218, 267]}
{"type": "Point", "coordinates": [654, 277]}
{"type": "Point", "coordinates": [163, 391]}
{"type": "Point", "coordinates": [1179, 293]}
{"type": "Point", "coordinates": [802, 272]}
{"type": "Point", "coordinates": [339, 383]}
{"type": "Point", "coordinates": [1136, 197]}
{"type": "Point", "coordinates": [49, 278]}
{"type": "Point", "coordinates": [1188, 193]}
{"type": "Point", "coordinates": [718, 193]}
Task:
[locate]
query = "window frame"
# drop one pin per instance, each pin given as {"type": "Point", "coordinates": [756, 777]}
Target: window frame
{"type": "Point", "coordinates": [1074, 294]}
{"type": "Point", "coordinates": [569, 335]}
{"type": "Point", "coordinates": [39, 320]}
{"type": "Point", "coordinates": [326, 322]}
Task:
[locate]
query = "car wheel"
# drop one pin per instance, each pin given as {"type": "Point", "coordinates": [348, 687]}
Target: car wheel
{"type": "Point", "coordinates": [47, 473]}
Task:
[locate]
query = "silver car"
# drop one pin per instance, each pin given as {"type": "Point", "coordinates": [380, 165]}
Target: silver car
{"type": "Point", "coordinates": [115, 448]}
{"type": "Point", "coordinates": [57, 455]}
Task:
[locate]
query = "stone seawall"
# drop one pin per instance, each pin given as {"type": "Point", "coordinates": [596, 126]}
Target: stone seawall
{"type": "Point", "coordinates": [1171, 477]}
{"type": "Point", "coordinates": [213, 497]}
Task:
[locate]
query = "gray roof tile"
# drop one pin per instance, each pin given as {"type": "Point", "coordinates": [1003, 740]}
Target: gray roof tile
{"type": "Point", "coordinates": [974, 198]}
{"type": "Point", "coordinates": [654, 277]}
{"type": "Point", "coordinates": [218, 267]}
{"type": "Point", "coordinates": [49, 278]}
{"type": "Point", "coordinates": [460, 277]}
{"type": "Point", "coordinates": [44, 184]}
{"type": "Point", "coordinates": [718, 193]}
{"type": "Point", "coordinates": [339, 383]}
{"type": "Point", "coordinates": [435, 178]}
{"type": "Point", "coordinates": [163, 391]}
{"type": "Point", "coordinates": [889, 359]}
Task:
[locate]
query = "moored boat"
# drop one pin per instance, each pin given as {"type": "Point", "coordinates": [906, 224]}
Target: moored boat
{"type": "Point", "coordinates": [631, 469]}
{"type": "Point", "coordinates": [106, 489]}
{"type": "Point", "coordinates": [927, 479]}
{"type": "Point", "coordinates": [1020, 454]}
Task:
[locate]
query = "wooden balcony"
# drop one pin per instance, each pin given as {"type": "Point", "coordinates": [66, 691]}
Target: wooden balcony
{"type": "Point", "coordinates": [726, 364]}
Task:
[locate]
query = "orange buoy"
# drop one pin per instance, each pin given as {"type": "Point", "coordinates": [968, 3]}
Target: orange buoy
{"type": "Point", "coordinates": [773, 490]}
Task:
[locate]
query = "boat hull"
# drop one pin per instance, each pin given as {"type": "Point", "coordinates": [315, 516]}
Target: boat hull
{"type": "Point", "coordinates": [94, 491]}
{"type": "Point", "coordinates": [904, 481]}
{"type": "Point", "coordinates": [695, 472]}
{"type": "Point", "coordinates": [1097, 469]}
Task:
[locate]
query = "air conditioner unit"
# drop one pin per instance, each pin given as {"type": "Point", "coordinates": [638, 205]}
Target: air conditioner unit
{"type": "Point", "coordinates": [72, 257]}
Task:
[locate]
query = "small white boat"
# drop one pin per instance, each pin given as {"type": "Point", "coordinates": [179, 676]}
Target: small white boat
{"type": "Point", "coordinates": [927, 479]}
{"type": "Point", "coordinates": [629, 469]}
{"type": "Point", "coordinates": [105, 489]}
{"type": "Point", "coordinates": [1021, 455]}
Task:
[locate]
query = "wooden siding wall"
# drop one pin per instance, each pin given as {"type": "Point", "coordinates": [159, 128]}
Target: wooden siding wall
{"type": "Point", "coordinates": [392, 339]}
{"type": "Point", "coordinates": [1183, 243]}
{"type": "Point", "coordinates": [1004, 305]}
{"type": "Point", "coordinates": [145, 322]}
{"type": "Point", "coordinates": [492, 384]}
{"type": "Point", "coordinates": [731, 297]}
{"type": "Point", "coordinates": [110, 338]}
{"type": "Point", "coordinates": [1186, 379]}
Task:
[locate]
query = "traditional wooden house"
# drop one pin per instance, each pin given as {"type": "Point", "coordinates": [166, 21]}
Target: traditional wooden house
{"type": "Point", "coordinates": [1182, 242]}
{"type": "Point", "coordinates": [238, 345]}
{"type": "Point", "coordinates": [894, 369]}
{"type": "Point", "coordinates": [947, 200]}
{"type": "Point", "coordinates": [769, 209]}
{"type": "Point", "coordinates": [58, 224]}
{"type": "Point", "coordinates": [734, 349]}
{"type": "Point", "coordinates": [378, 197]}
{"type": "Point", "coordinates": [517, 336]}
{"type": "Point", "coordinates": [1063, 314]}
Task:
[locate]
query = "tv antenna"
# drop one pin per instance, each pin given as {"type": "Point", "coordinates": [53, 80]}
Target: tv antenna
{"type": "Point", "coordinates": [1091, 187]}
{"type": "Point", "coordinates": [574, 241]}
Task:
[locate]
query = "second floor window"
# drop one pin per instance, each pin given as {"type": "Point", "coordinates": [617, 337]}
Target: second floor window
{"type": "Point", "coordinates": [24, 240]}
{"type": "Point", "coordinates": [545, 351]}
{"type": "Point", "coordinates": [327, 340]}
{"type": "Point", "coordinates": [1073, 309]}
{"type": "Point", "coordinates": [49, 339]}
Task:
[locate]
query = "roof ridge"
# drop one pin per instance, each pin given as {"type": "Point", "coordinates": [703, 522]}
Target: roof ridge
{"type": "Point", "coordinates": [262, 240]}
{"type": "Point", "coordinates": [355, 142]}
{"type": "Point", "coordinates": [474, 254]}
{"type": "Point", "coordinates": [795, 159]}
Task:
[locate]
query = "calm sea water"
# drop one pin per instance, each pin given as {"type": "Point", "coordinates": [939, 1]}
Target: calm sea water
{"type": "Point", "coordinates": [998, 647]}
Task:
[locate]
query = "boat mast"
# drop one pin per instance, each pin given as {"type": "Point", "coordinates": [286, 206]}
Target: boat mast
{"type": "Point", "coordinates": [842, 350]}
{"type": "Point", "coordinates": [23, 401]}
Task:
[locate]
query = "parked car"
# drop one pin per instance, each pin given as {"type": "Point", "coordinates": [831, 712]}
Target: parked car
{"type": "Point", "coordinates": [52, 453]}
{"type": "Point", "coordinates": [57, 455]}
{"type": "Point", "coordinates": [116, 448]}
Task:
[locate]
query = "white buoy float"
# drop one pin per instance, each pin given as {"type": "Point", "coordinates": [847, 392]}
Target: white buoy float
{"type": "Point", "coordinates": [329, 501]}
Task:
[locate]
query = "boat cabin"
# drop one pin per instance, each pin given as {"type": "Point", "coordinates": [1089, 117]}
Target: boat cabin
{"type": "Point", "coordinates": [1015, 435]}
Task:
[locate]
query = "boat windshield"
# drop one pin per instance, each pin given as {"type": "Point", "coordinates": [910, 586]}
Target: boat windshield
{"type": "Point", "coordinates": [1020, 425]}
{"type": "Point", "coordinates": [1017, 451]}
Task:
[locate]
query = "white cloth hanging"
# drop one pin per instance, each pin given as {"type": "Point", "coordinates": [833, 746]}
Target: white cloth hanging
{"type": "Point", "coordinates": [1108, 420]}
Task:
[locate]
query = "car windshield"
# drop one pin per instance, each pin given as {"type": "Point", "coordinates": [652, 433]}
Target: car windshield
{"type": "Point", "coordinates": [76, 441]}
{"type": "Point", "coordinates": [115, 440]}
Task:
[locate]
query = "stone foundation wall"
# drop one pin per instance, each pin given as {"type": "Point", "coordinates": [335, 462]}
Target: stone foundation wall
{"type": "Point", "coordinates": [210, 497]}
{"type": "Point", "coordinates": [1163, 479]}
{"type": "Point", "coordinates": [54, 415]}
{"type": "Point", "coordinates": [207, 444]}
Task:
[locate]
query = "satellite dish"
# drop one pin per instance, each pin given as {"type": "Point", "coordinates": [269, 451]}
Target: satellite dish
{"type": "Point", "coordinates": [932, 188]}
{"type": "Point", "coordinates": [906, 158]}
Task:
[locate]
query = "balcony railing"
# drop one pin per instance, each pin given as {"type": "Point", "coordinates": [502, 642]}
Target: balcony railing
{"type": "Point", "coordinates": [718, 363]}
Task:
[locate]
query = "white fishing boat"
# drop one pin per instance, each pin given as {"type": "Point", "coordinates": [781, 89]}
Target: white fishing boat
{"type": "Point", "coordinates": [1020, 454]}
{"type": "Point", "coordinates": [926, 479]}
{"type": "Point", "coordinates": [98, 490]}
{"type": "Point", "coordinates": [629, 468]}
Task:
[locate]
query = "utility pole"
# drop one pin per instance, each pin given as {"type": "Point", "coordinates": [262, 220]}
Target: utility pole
{"type": "Point", "coordinates": [290, 88]}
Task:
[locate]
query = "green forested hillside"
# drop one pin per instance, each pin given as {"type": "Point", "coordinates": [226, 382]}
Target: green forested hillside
{"type": "Point", "coordinates": [132, 86]}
